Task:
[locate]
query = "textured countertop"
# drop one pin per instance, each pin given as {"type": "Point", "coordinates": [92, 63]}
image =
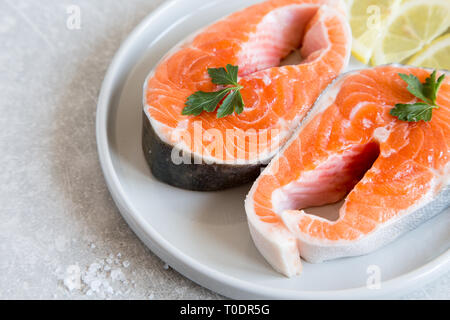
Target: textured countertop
{"type": "Point", "coordinates": [61, 237]}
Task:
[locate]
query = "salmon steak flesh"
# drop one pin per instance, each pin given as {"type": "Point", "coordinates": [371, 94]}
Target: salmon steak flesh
{"type": "Point", "coordinates": [197, 152]}
{"type": "Point", "coordinates": [392, 175]}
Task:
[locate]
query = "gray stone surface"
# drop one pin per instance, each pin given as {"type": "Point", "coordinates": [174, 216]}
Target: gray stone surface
{"type": "Point", "coordinates": [57, 217]}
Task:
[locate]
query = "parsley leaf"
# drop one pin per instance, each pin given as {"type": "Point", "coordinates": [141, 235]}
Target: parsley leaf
{"type": "Point", "coordinates": [233, 103]}
{"type": "Point", "coordinates": [427, 92]}
{"type": "Point", "coordinates": [203, 101]}
{"type": "Point", "coordinates": [414, 86]}
{"type": "Point", "coordinates": [230, 96]}
{"type": "Point", "coordinates": [431, 87]}
{"type": "Point", "coordinates": [413, 112]}
{"type": "Point", "coordinates": [224, 77]}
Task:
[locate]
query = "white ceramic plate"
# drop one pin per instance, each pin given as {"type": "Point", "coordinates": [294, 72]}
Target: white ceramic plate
{"type": "Point", "coordinates": [204, 236]}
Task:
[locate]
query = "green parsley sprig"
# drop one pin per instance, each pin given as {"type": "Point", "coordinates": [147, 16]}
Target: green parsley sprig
{"type": "Point", "coordinates": [427, 92]}
{"type": "Point", "coordinates": [208, 101]}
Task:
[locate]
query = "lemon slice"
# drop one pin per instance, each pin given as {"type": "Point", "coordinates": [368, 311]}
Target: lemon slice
{"type": "Point", "coordinates": [415, 24]}
{"type": "Point", "coordinates": [436, 55]}
{"type": "Point", "coordinates": [368, 20]}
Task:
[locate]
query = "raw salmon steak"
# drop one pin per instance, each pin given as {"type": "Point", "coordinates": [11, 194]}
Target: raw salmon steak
{"type": "Point", "coordinates": [197, 152]}
{"type": "Point", "coordinates": [393, 175]}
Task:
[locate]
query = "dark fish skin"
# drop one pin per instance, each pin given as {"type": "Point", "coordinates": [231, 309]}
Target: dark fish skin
{"type": "Point", "coordinates": [195, 177]}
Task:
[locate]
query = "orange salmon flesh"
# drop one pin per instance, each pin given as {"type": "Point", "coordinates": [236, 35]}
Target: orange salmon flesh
{"type": "Point", "coordinates": [393, 175]}
{"type": "Point", "coordinates": [276, 97]}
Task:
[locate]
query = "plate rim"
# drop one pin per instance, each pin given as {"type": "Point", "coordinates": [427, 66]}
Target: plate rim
{"type": "Point", "coordinates": [205, 276]}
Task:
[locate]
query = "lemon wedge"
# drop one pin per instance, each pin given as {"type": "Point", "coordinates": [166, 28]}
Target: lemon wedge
{"type": "Point", "coordinates": [368, 20]}
{"type": "Point", "coordinates": [413, 26]}
{"type": "Point", "coordinates": [436, 55]}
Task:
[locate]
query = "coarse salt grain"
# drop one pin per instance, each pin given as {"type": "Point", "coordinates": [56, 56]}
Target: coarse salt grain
{"type": "Point", "coordinates": [96, 279]}
{"type": "Point", "coordinates": [117, 275]}
{"type": "Point", "coordinates": [72, 278]}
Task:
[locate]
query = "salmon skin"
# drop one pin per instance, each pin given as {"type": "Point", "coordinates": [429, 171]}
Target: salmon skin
{"type": "Point", "coordinates": [196, 152]}
{"type": "Point", "coordinates": [393, 175]}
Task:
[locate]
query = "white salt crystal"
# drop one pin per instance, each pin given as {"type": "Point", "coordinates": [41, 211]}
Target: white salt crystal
{"type": "Point", "coordinates": [110, 290]}
{"type": "Point", "coordinates": [95, 285]}
{"type": "Point", "coordinates": [94, 267]}
{"type": "Point", "coordinates": [117, 275]}
{"type": "Point", "coordinates": [72, 279]}
{"type": "Point", "coordinates": [96, 278]}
